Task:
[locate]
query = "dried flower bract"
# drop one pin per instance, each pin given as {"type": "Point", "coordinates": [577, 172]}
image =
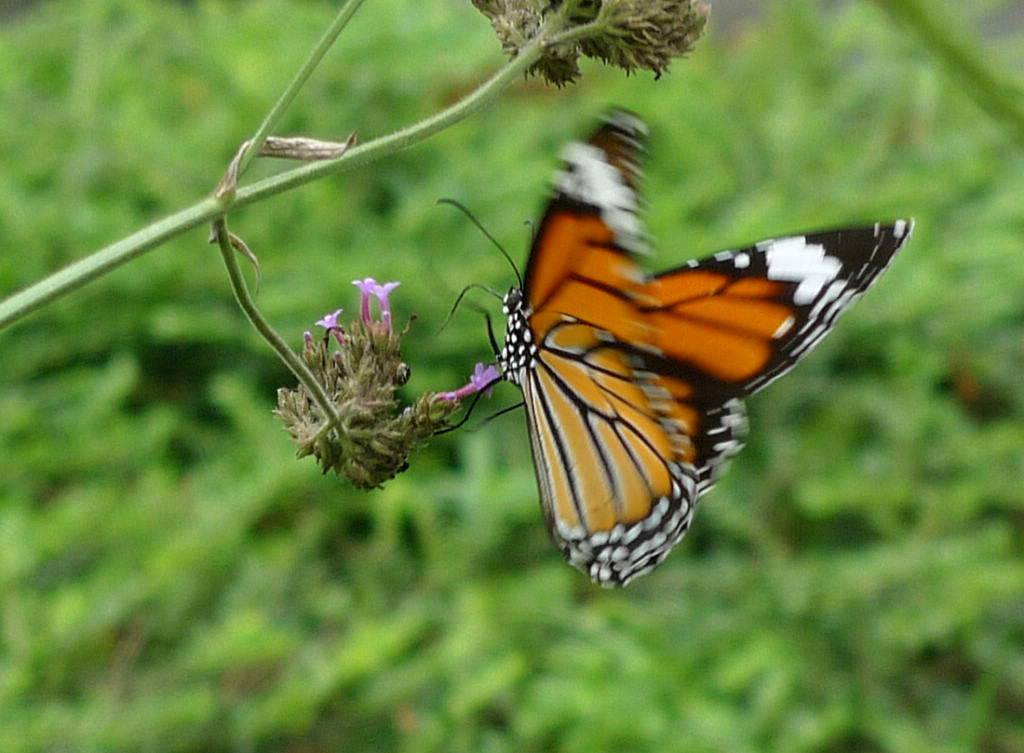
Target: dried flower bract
{"type": "Point", "coordinates": [629, 34]}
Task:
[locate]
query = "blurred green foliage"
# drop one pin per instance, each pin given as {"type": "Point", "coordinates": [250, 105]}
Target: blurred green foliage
{"type": "Point", "coordinates": [171, 580]}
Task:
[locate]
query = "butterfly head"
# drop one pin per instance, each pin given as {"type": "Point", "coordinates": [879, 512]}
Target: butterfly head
{"type": "Point", "coordinates": [512, 302]}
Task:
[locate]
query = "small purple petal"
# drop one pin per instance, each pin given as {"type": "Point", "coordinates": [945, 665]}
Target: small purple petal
{"type": "Point", "coordinates": [383, 290]}
{"type": "Point", "coordinates": [307, 336]}
{"type": "Point", "coordinates": [482, 379]}
{"type": "Point", "coordinates": [330, 321]}
{"type": "Point", "coordinates": [485, 378]}
{"type": "Point", "coordinates": [365, 285]}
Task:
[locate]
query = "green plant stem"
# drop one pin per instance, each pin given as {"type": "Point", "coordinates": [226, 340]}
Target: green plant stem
{"type": "Point", "coordinates": [305, 71]}
{"type": "Point", "coordinates": [958, 51]}
{"type": "Point", "coordinates": [363, 154]}
{"type": "Point", "coordinates": [77, 274]}
{"type": "Point", "coordinates": [248, 305]}
{"type": "Point", "coordinates": [580, 32]}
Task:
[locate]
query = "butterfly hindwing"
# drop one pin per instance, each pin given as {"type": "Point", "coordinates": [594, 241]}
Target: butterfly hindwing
{"type": "Point", "coordinates": [614, 500]}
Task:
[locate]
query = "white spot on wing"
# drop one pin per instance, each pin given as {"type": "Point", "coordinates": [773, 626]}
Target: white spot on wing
{"type": "Point", "coordinates": [796, 260]}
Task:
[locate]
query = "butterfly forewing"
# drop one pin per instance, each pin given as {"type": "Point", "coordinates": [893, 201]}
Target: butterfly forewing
{"type": "Point", "coordinates": [633, 385]}
{"type": "Point", "coordinates": [740, 319]}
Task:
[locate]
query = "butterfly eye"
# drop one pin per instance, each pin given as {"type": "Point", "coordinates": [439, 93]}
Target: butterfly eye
{"type": "Point", "coordinates": [512, 301]}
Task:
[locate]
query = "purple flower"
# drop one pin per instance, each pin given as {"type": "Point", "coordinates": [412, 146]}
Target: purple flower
{"type": "Point", "coordinates": [366, 288]}
{"type": "Point", "coordinates": [330, 321]}
{"type": "Point", "coordinates": [483, 378]}
{"type": "Point", "coordinates": [370, 287]}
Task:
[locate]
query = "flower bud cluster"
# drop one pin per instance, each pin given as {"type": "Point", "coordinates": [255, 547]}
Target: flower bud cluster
{"type": "Point", "coordinates": [360, 368]}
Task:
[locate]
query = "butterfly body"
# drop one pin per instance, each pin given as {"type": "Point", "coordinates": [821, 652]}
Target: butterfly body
{"type": "Point", "coordinates": [634, 383]}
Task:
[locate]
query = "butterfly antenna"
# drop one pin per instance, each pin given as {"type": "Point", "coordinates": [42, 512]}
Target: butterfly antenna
{"type": "Point", "coordinates": [458, 300]}
{"type": "Point", "coordinates": [462, 208]}
{"type": "Point", "coordinates": [495, 348]}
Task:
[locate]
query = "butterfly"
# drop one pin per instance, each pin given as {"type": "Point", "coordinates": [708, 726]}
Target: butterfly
{"type": "Point", "coordinates": [634, 383]}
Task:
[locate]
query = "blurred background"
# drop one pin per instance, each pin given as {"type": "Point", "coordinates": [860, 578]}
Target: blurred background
{"type": "Point", "coordinates": [171, 579]}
